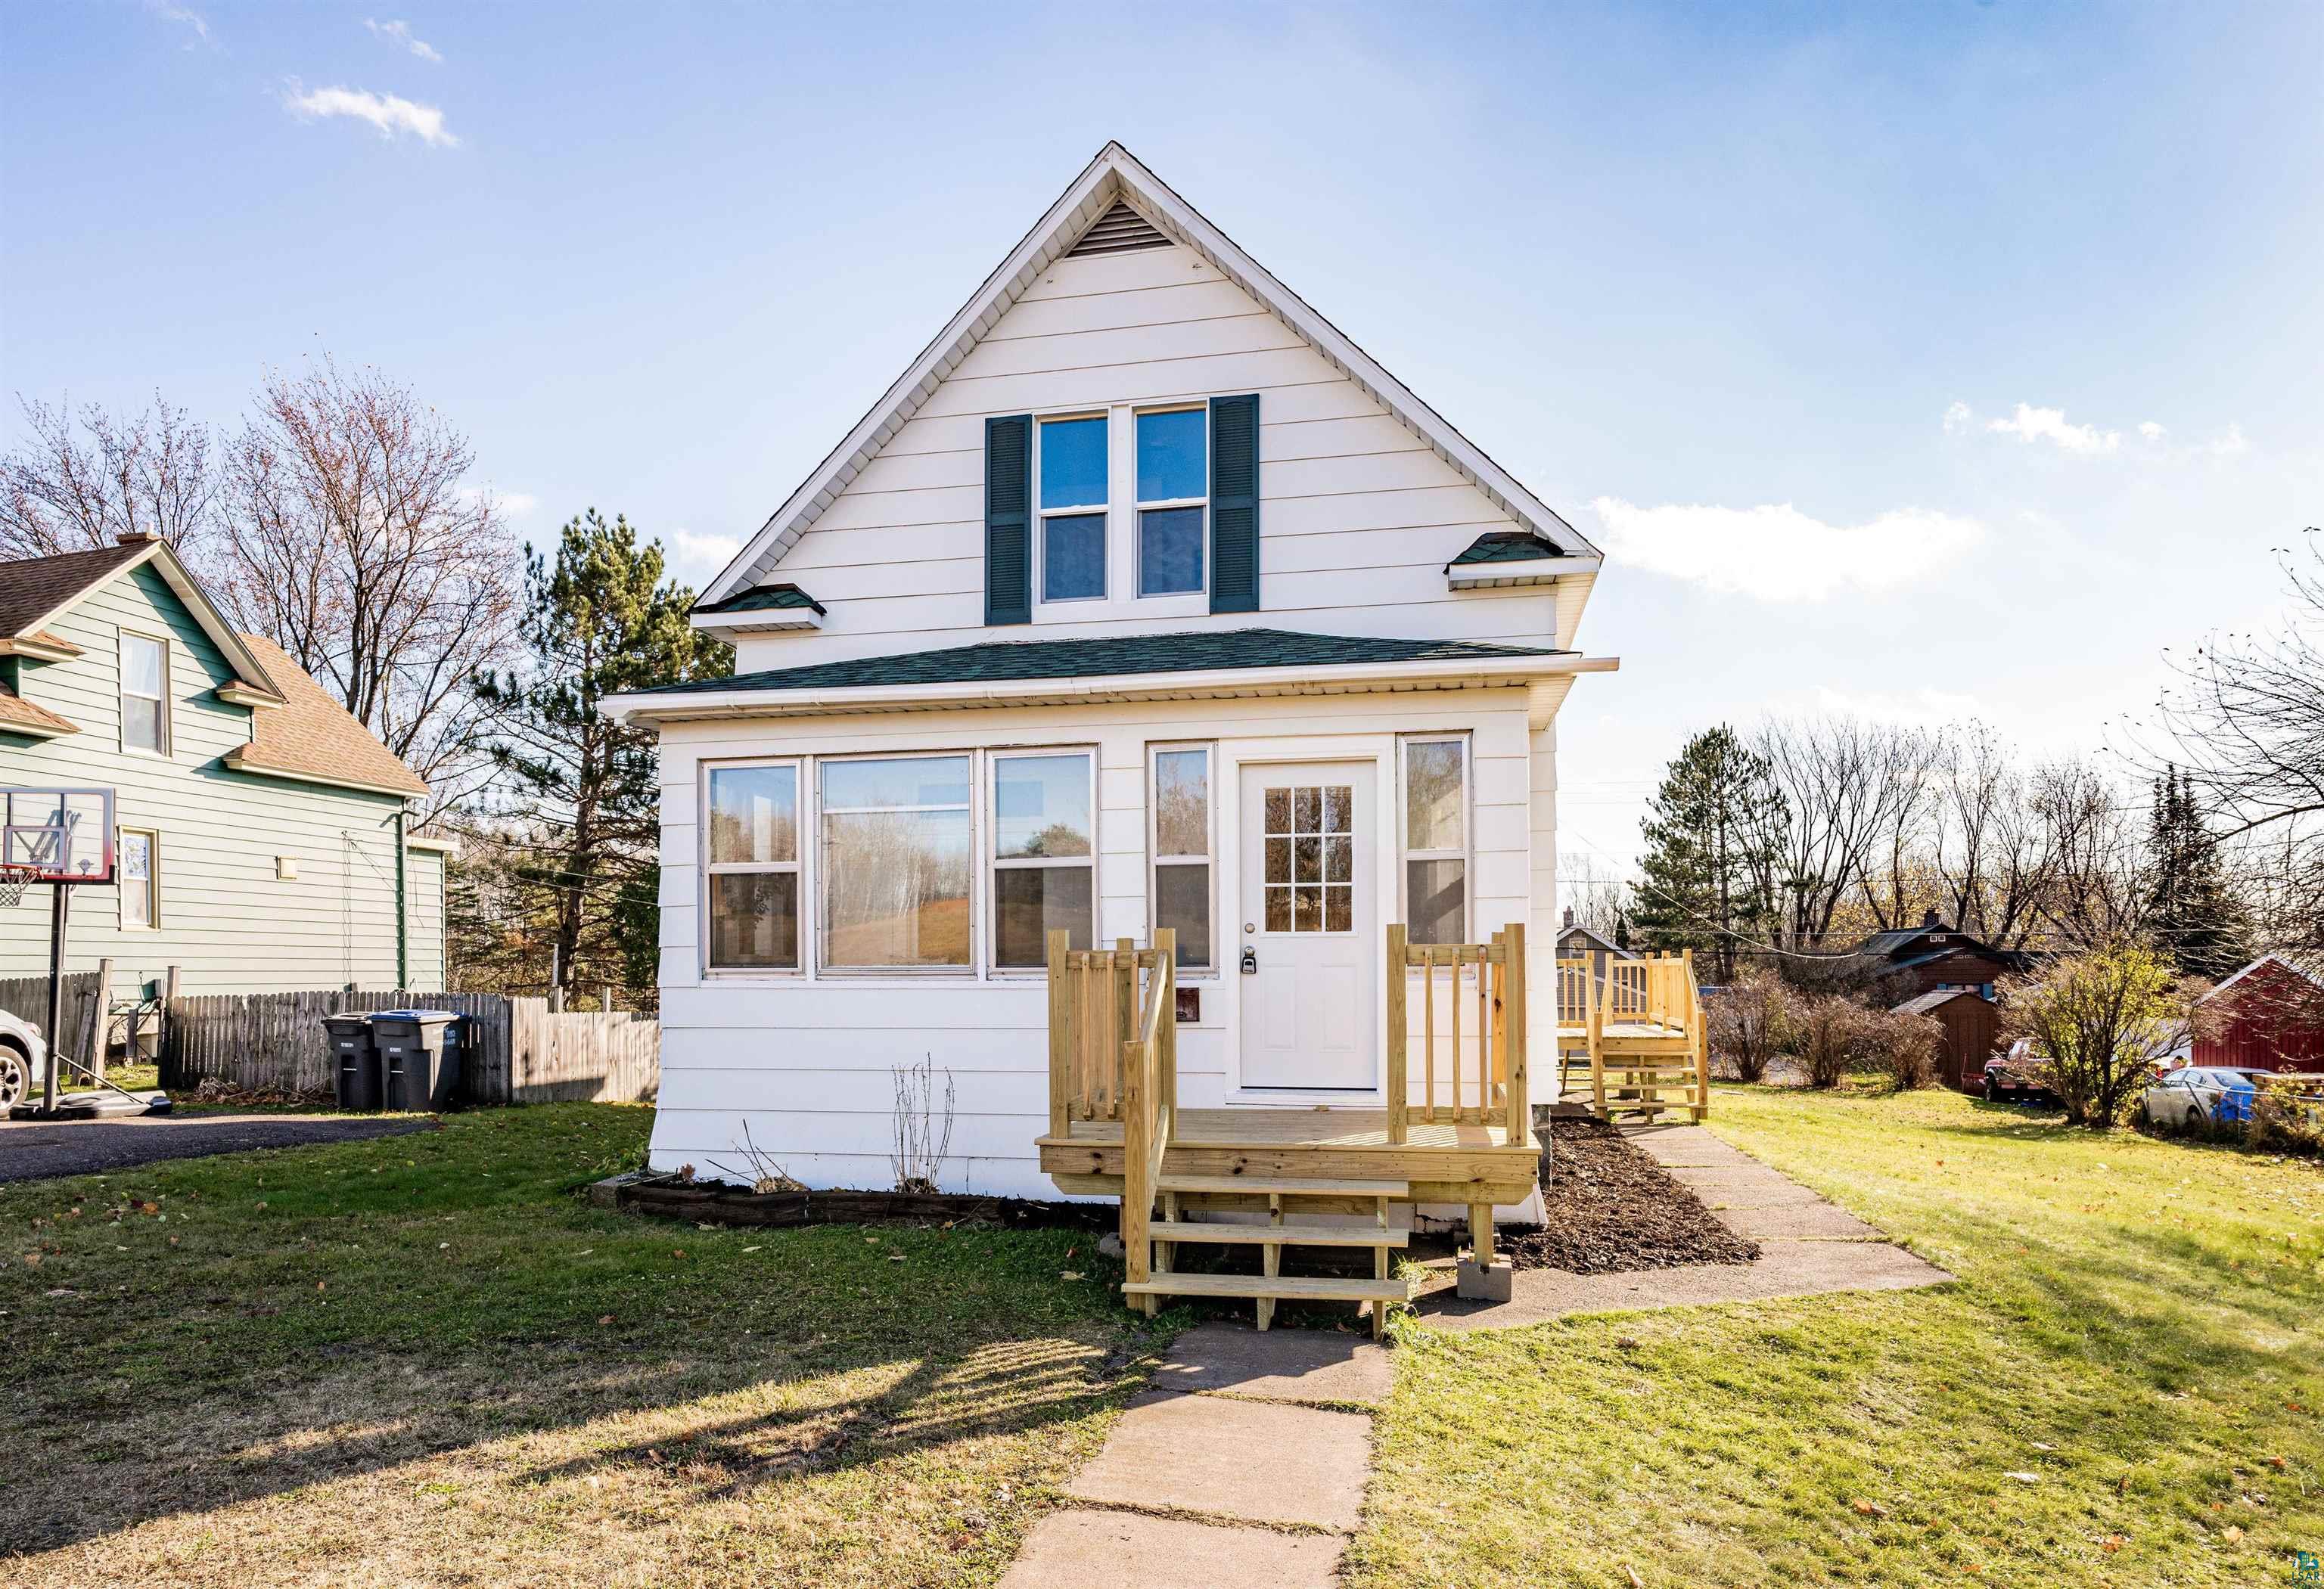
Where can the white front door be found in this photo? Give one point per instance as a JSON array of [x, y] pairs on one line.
[[1308, 943]]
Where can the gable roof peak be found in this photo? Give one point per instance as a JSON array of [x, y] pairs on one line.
[[1116, 175]]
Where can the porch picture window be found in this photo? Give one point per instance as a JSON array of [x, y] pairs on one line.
[[1182, 850], [139, 879], [753, 868], [145, 694], [1044, 854], [1074, 468], [896, 863], [1436, 839], [1174, 487]]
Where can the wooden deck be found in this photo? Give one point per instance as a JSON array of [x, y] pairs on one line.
[[1639, 1025], [1443, 1161]]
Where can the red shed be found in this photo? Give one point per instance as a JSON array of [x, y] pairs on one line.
[[1971, 1026], [2267, 1016]]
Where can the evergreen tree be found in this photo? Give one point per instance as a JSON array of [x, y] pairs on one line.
[[1711, 848], [598, 621], [2192, 914]]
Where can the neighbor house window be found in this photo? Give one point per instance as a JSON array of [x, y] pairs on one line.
[[897, 859], [139, 879], [1436, 839], [752, 868], [1174, 484], [145, 694], [1044, 854], [1074, 492], [1182, 850]]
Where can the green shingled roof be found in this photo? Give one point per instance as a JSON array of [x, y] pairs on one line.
[[763, 599], [1505, 546], [1007, 661]]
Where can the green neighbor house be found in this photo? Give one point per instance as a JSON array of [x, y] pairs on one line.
[[263, 837]]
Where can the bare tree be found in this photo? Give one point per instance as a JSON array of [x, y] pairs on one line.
[[1857, 793], [1598, 902], [1992, 854], [2094, 893], [351, 542], [84, 484]]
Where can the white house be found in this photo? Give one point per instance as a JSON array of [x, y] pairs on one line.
[[1144, 599]]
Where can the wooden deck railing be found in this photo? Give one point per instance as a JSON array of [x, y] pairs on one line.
[[1095, 1010], [1491, 978], [1655, 1003]]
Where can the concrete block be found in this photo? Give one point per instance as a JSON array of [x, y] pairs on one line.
[[1494, 1284]]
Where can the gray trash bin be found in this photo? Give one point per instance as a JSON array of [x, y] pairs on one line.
[[419, 1057], [355, 1062]]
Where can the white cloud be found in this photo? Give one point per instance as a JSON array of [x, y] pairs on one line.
[[512, 504], [2030, 424], [399, 33], [2151, 431], [390, 112], [1957, 419], [2227, 446], [1775, 553], [697, 558], [184, 16]]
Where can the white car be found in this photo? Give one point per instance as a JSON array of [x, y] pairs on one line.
[[23, 1052], [2201, 1095]]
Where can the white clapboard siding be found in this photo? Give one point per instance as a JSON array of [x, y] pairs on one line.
[[226, 918]]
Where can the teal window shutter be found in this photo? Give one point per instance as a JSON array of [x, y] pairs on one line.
[[1008, 520], [1234, 504]]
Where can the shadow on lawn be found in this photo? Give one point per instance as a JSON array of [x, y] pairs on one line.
[[364, 1420]]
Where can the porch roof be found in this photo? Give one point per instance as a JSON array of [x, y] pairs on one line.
[[1186, 664]]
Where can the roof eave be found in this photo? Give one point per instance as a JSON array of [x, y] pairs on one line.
[[770, 620], [1190, 684], [237, 762]]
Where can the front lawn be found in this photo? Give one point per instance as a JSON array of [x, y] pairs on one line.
[[426, 1360], [2123, 1389]]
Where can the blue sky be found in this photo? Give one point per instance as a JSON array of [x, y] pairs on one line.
[[1921, 360]]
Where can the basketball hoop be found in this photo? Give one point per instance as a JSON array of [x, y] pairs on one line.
[[13, 881]]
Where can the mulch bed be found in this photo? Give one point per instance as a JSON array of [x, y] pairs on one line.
[[1612, 1208], [733, 1205]]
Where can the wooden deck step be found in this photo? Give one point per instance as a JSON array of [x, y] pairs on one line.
[[1271, 1287], [1288, 1186], [1398, 1232]]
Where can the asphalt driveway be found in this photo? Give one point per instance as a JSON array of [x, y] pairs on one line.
[[37, 1150]]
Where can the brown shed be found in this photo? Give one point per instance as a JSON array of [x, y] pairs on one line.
[[1971, 1025]]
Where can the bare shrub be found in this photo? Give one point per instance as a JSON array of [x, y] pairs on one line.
[[1750, 1022], [765, 1175], [1828, 1039], [2099, 1021], [923, 1133], [1902, 1048]]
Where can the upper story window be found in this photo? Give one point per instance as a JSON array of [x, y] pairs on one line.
[[145, 694], [1436, 839], [1173, 486], [1075, 470]]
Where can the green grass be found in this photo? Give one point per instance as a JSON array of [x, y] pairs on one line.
[[2138, 1326], [425, 1359]]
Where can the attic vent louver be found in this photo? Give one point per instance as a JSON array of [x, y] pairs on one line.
[[1118, 231]]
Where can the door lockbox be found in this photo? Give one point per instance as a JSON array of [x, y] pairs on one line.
[[1249, 960]]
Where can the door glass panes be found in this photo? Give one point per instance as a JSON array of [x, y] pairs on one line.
[[1309, 858]]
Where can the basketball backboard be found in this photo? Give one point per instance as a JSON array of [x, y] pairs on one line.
[[57, 835]]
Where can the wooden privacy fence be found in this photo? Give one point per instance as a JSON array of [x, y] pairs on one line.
[[514, 1051], [1452, 1092], [27, 999]]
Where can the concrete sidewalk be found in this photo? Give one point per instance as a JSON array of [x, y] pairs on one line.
[[1243, 1468], [1808, 1247]]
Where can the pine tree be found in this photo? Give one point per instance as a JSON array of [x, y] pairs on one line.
[[1711, 851], [584, 789], [2192, 916]]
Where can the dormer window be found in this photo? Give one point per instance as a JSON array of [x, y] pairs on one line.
[[1073, 495], [1173, 486]]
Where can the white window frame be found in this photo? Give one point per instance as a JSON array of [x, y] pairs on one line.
[[1156, 861], [796, 865], [975, 969], [1041, 515], [988, 842], [1465, 853], [152, 836], [1138, 507], [124, 692]]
